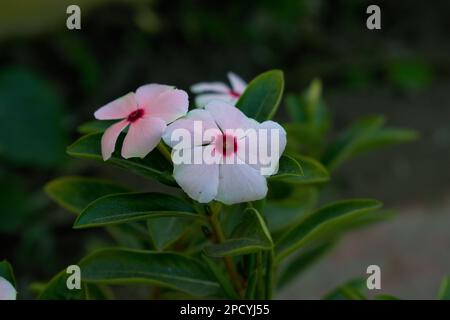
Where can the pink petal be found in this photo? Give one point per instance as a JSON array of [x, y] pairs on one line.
[[7, 291], [237, 83], [142, 137], [203, 99], [187, 123], [109, 138], [146, 94], [199, 181], [117, 109], [170, 105], [240, 183], [228, 117], [218, 87]]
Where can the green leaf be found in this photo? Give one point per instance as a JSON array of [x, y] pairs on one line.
[[386, 297], [120, 266], [444, 291], [348, 291], [75, 193], [95, 126], [7, 273], [284, 213], [126, 207], [154, 165], [31, 113], [262, 96], [289, 169], [166, 231], [219, 273], [303, 260], [250, 235], [385, 137], [326, 221], [310, 172]]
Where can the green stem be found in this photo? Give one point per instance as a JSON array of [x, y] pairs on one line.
[[220, 238], [164, 151], [269, 275]]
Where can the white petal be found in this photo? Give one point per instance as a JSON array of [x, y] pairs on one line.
[[199, 181], [146, 94], [169, 105], [240, 183], [7, 291], [109, 138], [227, 116], [237, 83], [142, 137], [219, 87], [192, 120], [117, 109], [203, 99]]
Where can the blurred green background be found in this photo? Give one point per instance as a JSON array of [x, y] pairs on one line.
[[53, 79]]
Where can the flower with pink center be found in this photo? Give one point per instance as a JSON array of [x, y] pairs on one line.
[[7, 291], [147, 113], [231, 177], [208, 91]]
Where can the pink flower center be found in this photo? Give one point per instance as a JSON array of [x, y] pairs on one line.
[[227, 144], [135, 115], [234, 94]]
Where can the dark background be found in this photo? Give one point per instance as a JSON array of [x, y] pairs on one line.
[[53, 79]]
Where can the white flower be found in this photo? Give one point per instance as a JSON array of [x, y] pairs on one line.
[[7, 291], [208, 91], [234, 178]]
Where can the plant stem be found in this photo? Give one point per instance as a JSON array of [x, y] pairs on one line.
[[220, 238], [269, 275], [164, 151]]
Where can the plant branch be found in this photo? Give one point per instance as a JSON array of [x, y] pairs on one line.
[[164, 151]]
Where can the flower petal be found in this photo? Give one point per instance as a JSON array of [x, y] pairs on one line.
[[237, 83], [117, 109], [169, 105], [142, 137], [199, 181], [187, 123], [218, 87], [203, 99], [109, 138], [146, 94], [7, 291], [240, 183], [227, 116]]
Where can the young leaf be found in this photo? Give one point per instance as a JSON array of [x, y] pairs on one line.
[[348, 291], [289, 169], [250, 235], [75, 193], [154, 165], [327, 221], [7, 273], [165, 231], [119, 266], [126, 207], [444, 291], [298, 169], [263, 95]]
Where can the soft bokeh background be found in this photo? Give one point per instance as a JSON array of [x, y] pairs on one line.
[[53, 79]]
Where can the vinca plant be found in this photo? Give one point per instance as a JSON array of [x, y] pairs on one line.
[[238, 222]]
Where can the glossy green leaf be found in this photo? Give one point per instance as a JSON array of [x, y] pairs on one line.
[[31, 113], [126, 207], [302, 261], [384, 137], [7, 273], [75, 193], [348, 291], [444, 291], [154, 165], [250, 235], [220, 275], [166, 231], [284, 213], [386, 297], [326, 221], [289, 169], [120, 266], [262, 96]]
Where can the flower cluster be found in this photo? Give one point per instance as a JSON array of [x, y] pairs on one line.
[[242, 151]]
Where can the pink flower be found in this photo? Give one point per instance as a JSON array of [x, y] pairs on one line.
[[225, 136], [208, 91], [7, 291], [147, 113]]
